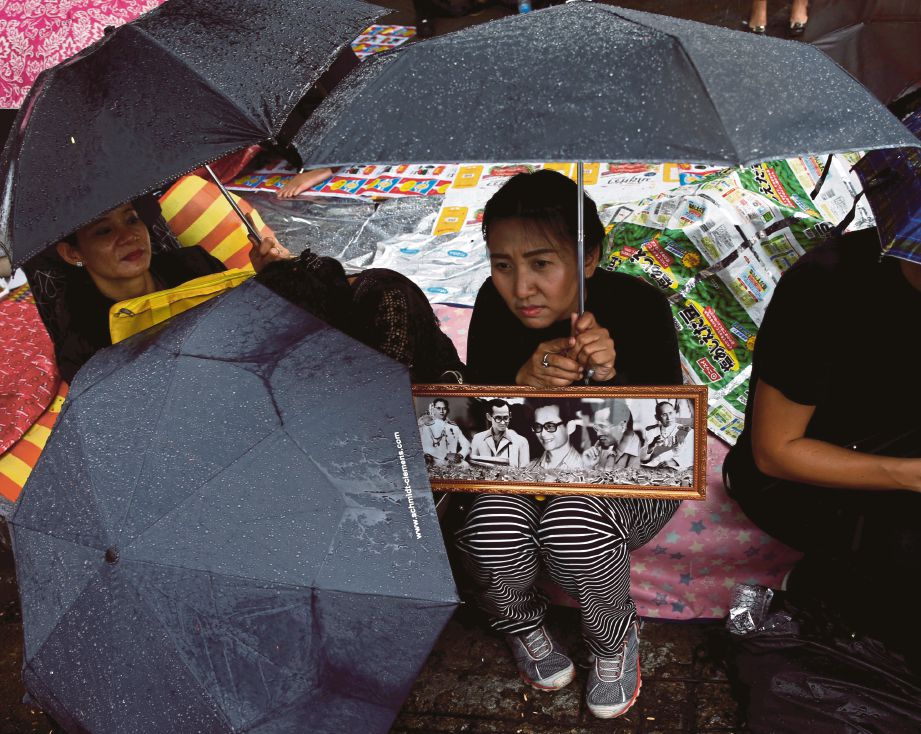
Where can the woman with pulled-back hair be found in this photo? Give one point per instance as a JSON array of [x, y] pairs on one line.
[[526, 330]]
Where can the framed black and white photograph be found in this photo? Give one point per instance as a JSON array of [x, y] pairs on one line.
[[621, 441]]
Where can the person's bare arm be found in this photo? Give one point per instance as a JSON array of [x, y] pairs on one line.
[[303, 181], [781, 450]]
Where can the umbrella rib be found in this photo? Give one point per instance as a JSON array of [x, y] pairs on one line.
[[151, 436], [678, 41], [204, 80], [279, 354], [283, 584], [73, 602]]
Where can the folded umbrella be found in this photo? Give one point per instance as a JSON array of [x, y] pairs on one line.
[[154, 99], [231, 530]]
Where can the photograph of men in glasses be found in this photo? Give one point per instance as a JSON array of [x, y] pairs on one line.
[[553, 425], [499, 444]]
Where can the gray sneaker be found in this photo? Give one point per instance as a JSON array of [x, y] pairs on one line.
[[614, 682], [540, 662]]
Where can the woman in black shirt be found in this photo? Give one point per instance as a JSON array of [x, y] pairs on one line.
[[525, 331]]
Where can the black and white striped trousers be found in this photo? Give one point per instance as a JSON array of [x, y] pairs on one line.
[[585, 543]]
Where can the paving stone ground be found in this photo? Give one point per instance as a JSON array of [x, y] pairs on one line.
[[470, 684]]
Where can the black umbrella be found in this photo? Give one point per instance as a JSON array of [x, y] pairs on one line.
[[231, 529], [875, 40], [586, 81], [154, 99]]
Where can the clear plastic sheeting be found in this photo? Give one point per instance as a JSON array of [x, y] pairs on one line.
[[392, 221], [326, 225], [448, 268]]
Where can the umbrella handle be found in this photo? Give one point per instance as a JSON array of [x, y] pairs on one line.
[[253, 235]]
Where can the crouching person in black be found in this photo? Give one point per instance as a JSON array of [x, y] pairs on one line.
[[828, 461]]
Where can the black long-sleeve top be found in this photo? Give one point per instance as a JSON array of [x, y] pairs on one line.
[[637, 316]]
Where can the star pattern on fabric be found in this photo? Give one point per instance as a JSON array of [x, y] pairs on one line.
[[697, 547], [686, 579], [698, 527], [677, 606]]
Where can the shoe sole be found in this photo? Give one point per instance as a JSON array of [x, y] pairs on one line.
[[612, 712], [570, 674]]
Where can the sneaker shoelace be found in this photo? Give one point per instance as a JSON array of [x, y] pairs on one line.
[[537, 644], [610, 670]]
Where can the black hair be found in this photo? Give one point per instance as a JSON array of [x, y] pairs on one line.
[[496, 403], [442, 400], [547, 199], [564, 405]]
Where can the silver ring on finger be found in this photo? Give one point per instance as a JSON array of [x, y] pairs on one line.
[[546, 360], [589, 373]]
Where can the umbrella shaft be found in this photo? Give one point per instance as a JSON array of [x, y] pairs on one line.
[[251, 230], [580, 235]]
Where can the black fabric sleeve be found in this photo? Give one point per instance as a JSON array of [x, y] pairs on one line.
[[480, 337], [663, 363], [639, 319], [791, 352], [201, 262]]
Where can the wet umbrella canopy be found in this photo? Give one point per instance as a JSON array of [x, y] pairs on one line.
[[586, 81], [183, 85], [222, 534]]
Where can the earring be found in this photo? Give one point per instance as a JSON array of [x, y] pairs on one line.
[[79, 263]]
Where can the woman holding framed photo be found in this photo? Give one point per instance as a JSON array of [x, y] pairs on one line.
[[526, 330]]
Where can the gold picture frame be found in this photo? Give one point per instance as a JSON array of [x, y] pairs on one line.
[[628, 441]]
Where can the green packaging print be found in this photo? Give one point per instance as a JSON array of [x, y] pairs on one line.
[[737, 397], [666, 259], [716, 336], [776, 181], [725, 422]]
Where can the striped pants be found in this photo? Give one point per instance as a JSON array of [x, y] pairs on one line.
[[585, 543]]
